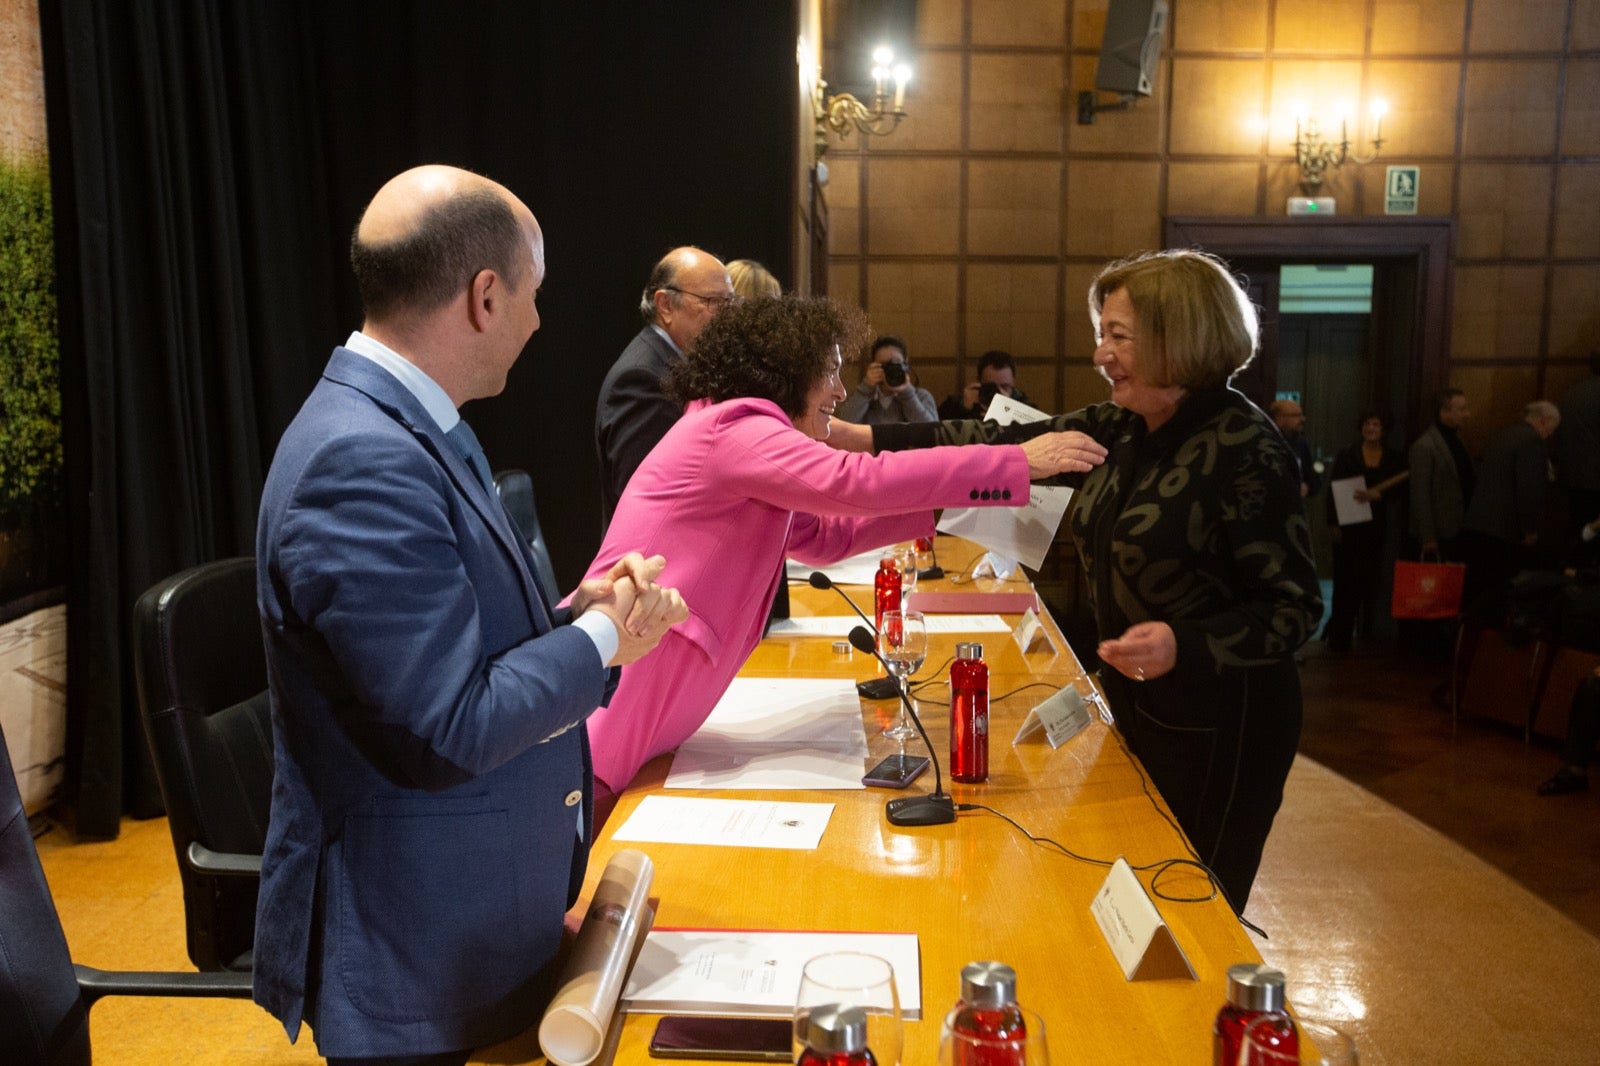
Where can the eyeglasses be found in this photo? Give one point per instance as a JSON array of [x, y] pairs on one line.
[[716, 302]]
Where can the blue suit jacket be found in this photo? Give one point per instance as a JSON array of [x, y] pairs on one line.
[[425, 836]]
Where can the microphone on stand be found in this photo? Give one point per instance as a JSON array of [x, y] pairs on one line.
[[934, 572], [878, 688], [936, 808]]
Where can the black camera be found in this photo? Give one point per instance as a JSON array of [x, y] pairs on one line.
[[986, 394], [894, 373]]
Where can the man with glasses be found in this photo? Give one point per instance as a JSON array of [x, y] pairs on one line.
[[685, 291], [886, 392]]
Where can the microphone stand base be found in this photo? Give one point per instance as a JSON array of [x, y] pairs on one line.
[[879, 688], [932, 573], [921, 810]]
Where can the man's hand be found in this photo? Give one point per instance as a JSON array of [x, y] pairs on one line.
[[971, 394], [1060, 453], [628, 595]]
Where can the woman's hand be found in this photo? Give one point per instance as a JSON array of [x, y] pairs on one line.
[[1145, 651], [1059, 453], [1368, 495]]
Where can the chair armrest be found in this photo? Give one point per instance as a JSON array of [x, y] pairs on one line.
[[94, 984], [223, 863]]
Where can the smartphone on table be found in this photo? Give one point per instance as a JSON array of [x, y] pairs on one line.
[[731, 1039], [896, 771]]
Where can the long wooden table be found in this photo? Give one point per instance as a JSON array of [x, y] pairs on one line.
[[977, 889]]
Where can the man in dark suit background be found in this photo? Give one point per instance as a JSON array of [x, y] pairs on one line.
[[1501, 525], [430, 806], [1441, 478], [686, 289]]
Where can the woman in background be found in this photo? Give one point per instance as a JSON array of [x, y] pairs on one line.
[[750, 279], [1358, 548], [1196, 547]]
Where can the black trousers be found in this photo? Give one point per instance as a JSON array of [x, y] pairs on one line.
[[1583, 731], [1357, 560], [1218, 747]]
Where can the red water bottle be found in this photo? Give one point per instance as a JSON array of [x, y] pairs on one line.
[[1255, 994], [969, 715], [836, 1035], [988, 1010], [886, 588]]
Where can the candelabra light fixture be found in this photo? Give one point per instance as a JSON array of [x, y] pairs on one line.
[[842, 112], [1316, 156]]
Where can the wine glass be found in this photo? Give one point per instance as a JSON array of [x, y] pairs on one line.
[[906, 559], [1027, 1048], [853, 979], [1317, 1044], [903, 642]]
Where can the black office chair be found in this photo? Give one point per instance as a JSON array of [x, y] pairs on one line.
[[202, 679], [516, 492], [44, 998]]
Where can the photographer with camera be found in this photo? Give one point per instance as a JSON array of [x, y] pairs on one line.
[[886, 392], [997, 374]]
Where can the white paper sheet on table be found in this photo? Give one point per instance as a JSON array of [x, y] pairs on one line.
[[777, 733], [726, 823], [754, 972], [840, 625], [856, 570], [1022, 533]]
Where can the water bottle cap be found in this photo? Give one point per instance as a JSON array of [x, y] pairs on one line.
[[1254, 986], [969, 650], [834, 1027], [988, 984]]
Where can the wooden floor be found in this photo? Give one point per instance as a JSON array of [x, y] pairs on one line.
[[1416, 892]]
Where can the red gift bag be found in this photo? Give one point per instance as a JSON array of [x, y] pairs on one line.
[[1427, 590]]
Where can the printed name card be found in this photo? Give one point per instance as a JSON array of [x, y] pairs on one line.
[[1030, 632], [1062, 717], [1133, 928]]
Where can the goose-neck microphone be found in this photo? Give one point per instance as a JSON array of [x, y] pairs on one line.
[[936, 808], [877, 688]]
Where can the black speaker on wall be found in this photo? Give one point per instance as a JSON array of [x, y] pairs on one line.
[[1130, 54]]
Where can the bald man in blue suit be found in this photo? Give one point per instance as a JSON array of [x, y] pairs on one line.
[[430, 811]]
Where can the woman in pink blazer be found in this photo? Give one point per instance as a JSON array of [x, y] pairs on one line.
[[744, 479]]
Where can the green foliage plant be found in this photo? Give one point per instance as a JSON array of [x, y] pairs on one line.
[[30, 381]]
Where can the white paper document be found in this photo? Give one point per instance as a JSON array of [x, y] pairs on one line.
[[1346, 508], [1022, 533], [753, 973], [856, 570], [726, 823], [777, 733], [840, 625]]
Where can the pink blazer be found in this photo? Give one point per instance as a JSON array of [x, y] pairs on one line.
[[730, 490]]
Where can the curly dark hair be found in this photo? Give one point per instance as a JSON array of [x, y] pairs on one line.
[[772, 348]]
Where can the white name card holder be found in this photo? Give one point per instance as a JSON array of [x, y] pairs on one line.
[[1143, 945], [1030, 632], [1062, 717]]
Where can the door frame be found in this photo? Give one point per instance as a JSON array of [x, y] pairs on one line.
[[1415, 253]]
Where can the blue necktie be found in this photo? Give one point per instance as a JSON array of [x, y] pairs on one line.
[[466, 442]]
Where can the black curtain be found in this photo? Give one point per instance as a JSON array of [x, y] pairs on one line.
[[209, 159]]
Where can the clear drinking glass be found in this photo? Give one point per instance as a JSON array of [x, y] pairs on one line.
[[968, 1049], [903, 642], [906, 559], [853, 979]]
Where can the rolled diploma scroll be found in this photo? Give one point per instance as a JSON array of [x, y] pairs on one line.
[[574, 1026]]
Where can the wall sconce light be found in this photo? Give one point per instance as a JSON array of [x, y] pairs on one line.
[[842, 112], [1316, 156]]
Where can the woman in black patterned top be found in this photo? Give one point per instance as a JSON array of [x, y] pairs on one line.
[[1197, 550]]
